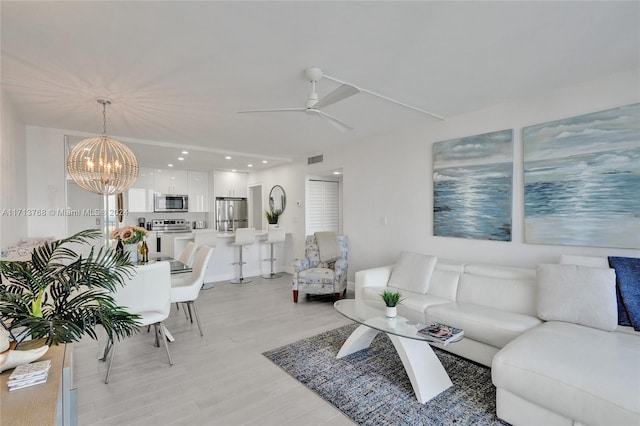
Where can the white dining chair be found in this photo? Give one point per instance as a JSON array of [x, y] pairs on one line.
[[148, 294], [211, 239], [187, 254], [185, 288]]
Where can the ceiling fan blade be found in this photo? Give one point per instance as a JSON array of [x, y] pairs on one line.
[[272, 110], [341, 124], [342, 92]]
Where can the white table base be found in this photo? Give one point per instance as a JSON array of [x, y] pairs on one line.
[[427, 375]]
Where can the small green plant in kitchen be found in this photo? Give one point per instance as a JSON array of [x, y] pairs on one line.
[[272, 216]]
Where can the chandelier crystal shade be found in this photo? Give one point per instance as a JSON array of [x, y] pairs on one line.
[[103, 165]]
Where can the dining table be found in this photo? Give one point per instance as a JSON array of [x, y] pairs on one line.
[[176, 267]]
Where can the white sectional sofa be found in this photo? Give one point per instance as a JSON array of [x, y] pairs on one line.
[[546, 372]]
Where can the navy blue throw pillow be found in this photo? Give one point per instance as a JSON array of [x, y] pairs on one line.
[[627, 289]]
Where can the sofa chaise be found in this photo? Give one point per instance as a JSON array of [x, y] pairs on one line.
[[550, 333]]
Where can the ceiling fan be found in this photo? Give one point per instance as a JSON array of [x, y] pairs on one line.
[[344, 91], [314, 103]]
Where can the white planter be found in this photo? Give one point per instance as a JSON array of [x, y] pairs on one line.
[[132, 249], [391, 312]]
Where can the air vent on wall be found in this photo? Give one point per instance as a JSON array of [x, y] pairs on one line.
[[316, 159]]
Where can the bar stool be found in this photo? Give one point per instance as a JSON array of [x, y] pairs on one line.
[[276, 235], [244, 236]]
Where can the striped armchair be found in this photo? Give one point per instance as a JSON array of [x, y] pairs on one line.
[[314, 277]]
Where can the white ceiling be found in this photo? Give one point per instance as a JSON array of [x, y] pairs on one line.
[[178, 72]]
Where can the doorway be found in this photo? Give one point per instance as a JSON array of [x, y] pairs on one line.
[[255, 206]]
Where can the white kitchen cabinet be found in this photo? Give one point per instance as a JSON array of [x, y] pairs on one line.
[[140, 195], [169, 181], [198, 191], [230, 184]]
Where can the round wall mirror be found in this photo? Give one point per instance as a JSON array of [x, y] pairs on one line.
[[277, 199]]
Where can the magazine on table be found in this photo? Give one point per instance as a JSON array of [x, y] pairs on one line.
[[29, 375], [442, 333]]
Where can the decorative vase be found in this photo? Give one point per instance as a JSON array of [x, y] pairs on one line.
[[392, 311], [132, 249]]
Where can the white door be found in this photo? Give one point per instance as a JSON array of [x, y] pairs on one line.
[[255, 207]]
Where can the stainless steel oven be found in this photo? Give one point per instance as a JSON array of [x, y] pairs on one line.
[[164, 226]]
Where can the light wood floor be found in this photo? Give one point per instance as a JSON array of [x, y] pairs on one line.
[[219, 379]]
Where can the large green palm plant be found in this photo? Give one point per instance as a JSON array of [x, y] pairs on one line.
[[60, 295]]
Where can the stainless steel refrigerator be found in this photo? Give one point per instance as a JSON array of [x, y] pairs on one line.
[[231, 213]]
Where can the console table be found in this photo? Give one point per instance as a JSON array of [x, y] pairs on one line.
[[51, 403]]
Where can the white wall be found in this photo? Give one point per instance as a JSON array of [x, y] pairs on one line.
[[395, 181], [13, 174], [292, 180], [46, 181]]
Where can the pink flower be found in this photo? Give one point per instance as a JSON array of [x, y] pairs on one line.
[[126, 233], [115, 235]]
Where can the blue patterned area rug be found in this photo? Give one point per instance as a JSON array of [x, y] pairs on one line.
[[372, 388]]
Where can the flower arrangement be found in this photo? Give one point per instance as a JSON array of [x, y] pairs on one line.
[[129, 234]]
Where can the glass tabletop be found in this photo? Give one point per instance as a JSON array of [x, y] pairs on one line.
[[372, 315], [175, 265]]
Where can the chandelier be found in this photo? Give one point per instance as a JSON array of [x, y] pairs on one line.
[[103, 165]]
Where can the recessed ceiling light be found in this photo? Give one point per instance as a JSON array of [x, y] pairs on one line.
[[233, 170], [227, 158], [249, 165], [181, 158], [170, 165], [185, 152], [337, 173], [264, 161]]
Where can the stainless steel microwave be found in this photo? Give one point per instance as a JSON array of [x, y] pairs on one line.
[[171, 203]]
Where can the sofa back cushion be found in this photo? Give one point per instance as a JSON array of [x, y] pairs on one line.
[[578, 294], [508, 289], [593, 262], [412, 272], [444, 283]]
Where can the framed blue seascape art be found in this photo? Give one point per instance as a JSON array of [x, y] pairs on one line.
[[472, 186], [582, 180]]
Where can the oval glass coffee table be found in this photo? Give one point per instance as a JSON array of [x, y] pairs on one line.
[[427, 375]]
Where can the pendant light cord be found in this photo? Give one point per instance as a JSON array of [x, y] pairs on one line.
[[104, 119]]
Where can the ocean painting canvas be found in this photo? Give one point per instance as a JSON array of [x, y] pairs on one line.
[[472, 186], [582, 180]]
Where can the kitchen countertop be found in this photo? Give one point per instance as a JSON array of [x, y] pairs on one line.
[[189, 234]]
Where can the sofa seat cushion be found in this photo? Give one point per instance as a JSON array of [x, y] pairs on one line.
[[585, 374], [318, 276], [412, 301], [481, 323]]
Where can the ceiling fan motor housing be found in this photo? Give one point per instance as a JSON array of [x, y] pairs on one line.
[[313, 74]]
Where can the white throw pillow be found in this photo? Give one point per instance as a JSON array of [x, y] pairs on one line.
[[412, 272], [578, 294]]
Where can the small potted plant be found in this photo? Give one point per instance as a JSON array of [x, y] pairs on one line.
[[272, 216], [391, 300]]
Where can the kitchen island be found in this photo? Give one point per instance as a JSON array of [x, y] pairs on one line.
[[221, 267]]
